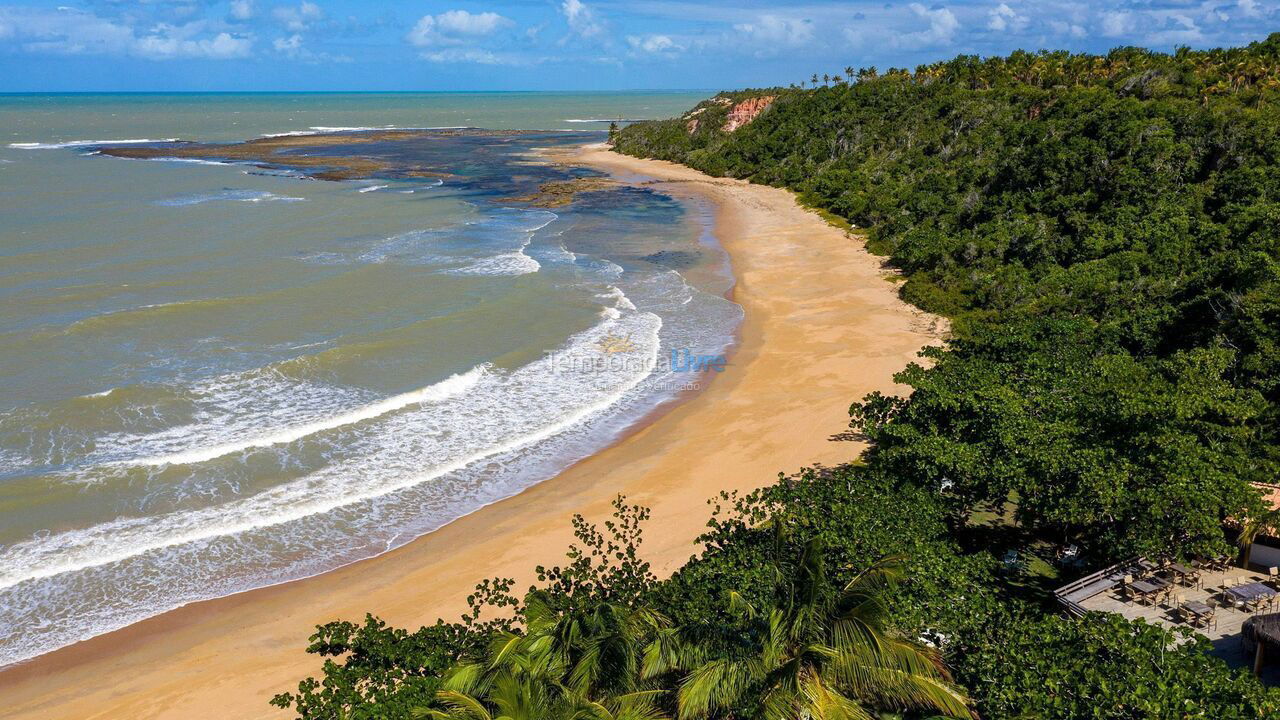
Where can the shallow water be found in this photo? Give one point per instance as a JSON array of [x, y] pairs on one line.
[[218, 377]]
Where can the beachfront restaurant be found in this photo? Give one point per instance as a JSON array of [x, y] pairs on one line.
[[1233, 600]]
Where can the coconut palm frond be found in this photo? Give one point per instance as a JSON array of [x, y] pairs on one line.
[[828, 658], [461, 706], [913, 686], [717, 684], [824, 702], [740, 607], [668, 651]]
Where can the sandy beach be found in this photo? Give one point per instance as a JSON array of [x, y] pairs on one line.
[[823, 326]]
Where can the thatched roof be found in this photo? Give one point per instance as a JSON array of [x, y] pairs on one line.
[[1264, 629]]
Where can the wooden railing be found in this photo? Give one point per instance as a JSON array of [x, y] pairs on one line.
[[1070, 595]]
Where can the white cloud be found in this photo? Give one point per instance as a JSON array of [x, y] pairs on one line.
[[1116, 24], [941, 31], [1003, 18], [461, 22], [68, 31], [1178, 29], [299, 18], [294, 48], [455, 27], [770, 32], [582, 20], [654, 44], [1062, 27], [1249, 8], [471, 56], [242, 9], [424, 32], [293, 43], [221, 46]]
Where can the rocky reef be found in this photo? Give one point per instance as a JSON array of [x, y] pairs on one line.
[[328, 156], [562, 192]]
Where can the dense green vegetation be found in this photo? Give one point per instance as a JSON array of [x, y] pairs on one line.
[[1104, 233]]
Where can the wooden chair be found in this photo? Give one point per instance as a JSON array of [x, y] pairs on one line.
[[1228, 600], [1126, 588], [1211, 621]]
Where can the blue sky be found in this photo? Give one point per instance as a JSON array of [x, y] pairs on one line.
[[559, 44]]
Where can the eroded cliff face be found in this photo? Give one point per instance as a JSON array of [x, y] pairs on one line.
[[746, 111], [739, 114]]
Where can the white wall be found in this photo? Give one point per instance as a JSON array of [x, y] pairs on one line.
[[1264, 555]]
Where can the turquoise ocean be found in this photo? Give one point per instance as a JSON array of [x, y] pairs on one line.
[[215, 377]]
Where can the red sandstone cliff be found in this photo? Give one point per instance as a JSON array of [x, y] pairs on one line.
[[739, 115], [746, 111]]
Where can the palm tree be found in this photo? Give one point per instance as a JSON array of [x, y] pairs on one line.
[[1265, 522], [814, 80], [634, 706], [848, 72], [820, 656], [575, 665]]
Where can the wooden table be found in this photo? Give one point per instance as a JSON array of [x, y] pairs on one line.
[[1149, 587], [1251, 592], [1202, 611], [1182, 571], [1199, 608]]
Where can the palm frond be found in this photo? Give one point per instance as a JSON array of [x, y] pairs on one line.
[[462, 706], [717, 684]]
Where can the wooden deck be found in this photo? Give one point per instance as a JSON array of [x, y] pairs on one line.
[[1225, 636]]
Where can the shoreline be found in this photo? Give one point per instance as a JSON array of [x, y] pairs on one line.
[[811, 342]]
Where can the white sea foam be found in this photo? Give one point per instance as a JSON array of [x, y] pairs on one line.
[[618, 297], [322, 129], [318, 129], [443, 390], [193, 161], [434, 184], [251, 196], [372, 188], [515, 262], [82, 143], [512, 263], [502, 412], [602, 120]]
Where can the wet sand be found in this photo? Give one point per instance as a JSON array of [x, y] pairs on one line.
[[823, 326]]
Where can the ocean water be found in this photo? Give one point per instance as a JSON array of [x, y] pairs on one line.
[[218, 377]]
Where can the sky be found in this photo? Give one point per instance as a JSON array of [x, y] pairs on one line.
[[307, 45]]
